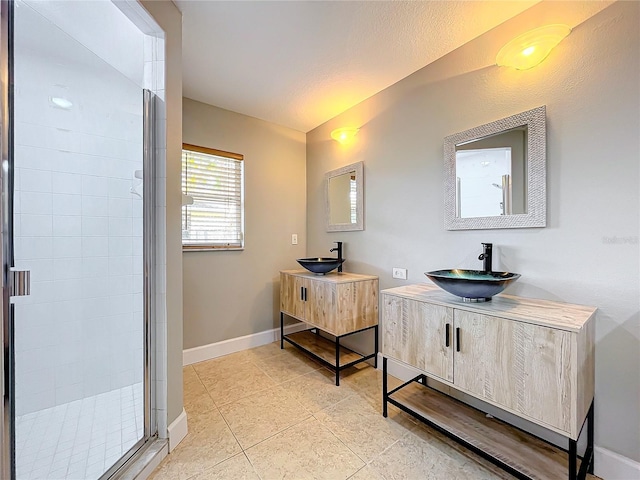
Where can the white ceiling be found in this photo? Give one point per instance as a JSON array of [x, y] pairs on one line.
[[301, 63]]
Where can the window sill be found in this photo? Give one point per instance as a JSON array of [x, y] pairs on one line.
[[210, 249]]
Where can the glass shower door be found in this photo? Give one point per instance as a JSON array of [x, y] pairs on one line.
[[79, 337]]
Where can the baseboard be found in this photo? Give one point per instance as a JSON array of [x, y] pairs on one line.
[[233, 345], [612, 466], [178, 430], [608, 465]]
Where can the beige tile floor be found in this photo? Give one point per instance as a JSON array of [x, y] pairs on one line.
[[268, 413]]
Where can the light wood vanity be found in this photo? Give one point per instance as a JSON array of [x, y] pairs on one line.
[[339, 304], [531, 358]]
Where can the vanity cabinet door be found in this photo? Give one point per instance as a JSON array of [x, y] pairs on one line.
[[320, 304], [526, 368], [356, 307], [344, 307], [291, 295], [415, 333]]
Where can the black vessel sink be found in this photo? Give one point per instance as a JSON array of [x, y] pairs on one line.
[[320, 265], [472, 285]]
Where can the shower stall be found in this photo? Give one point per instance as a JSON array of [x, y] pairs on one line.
[[81, 83]]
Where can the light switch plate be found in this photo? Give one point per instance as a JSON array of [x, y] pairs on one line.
[[294, 239]]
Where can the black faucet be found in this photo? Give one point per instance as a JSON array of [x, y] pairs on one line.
[[339, 250], [486, 257]]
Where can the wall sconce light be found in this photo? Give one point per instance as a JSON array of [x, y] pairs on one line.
[[532, 47], [344, 135]]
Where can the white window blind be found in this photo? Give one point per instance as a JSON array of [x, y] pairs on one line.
[[212, 183]]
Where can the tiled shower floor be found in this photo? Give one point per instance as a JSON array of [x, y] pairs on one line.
[[81, 439]]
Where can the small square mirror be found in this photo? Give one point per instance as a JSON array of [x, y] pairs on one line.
[[495, 174]]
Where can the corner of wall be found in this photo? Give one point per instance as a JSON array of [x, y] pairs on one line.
[[167, 15]]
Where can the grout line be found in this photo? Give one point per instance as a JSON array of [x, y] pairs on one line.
[[198, 377], [388, 448], [277, 433], [262, 390], [254, 362], [309, 415], [290, 396], [223, 418], [322, 425], [68, 433], [230, 430], [252, 465], [359, 470], [214, 466]]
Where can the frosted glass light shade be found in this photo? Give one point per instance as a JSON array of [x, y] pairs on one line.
[[344, 135], [532, 47]]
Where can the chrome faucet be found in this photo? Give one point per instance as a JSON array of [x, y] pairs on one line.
[[486, 257], [339, 250]]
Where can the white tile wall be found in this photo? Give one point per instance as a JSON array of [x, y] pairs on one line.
[[78, 226]]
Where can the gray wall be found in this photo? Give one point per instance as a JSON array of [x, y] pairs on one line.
[[228, 294], [587, 254], [170, 20]]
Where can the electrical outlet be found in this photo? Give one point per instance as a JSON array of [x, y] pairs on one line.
[[400, 273], [294, 239]]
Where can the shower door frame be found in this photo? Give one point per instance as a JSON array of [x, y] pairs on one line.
[[7, 359], [6, 255]]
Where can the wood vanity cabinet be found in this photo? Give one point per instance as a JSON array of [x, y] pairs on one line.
[[339, 304], [532, 358]]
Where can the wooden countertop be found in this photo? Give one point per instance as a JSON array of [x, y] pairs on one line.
[[563, 316], [332, 277]]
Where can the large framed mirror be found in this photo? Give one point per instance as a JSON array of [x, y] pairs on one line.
[[495, 174], [344, 198]]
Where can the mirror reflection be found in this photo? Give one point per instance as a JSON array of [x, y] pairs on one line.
[[491, 175], [344, 210], [342, 198]]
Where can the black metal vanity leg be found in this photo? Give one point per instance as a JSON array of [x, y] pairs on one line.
[[281, 331], [337, 361], [375, 359], [384, 387], [590, 436], [573, 455]]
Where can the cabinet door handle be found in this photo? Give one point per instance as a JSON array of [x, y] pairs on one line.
[[457, 339], [305, 294], [302, 293], [447, 335]]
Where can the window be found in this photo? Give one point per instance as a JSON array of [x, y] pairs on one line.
[[213, 199], [353, 199]]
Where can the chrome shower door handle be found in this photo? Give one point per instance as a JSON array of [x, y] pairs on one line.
[[20, 283]]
